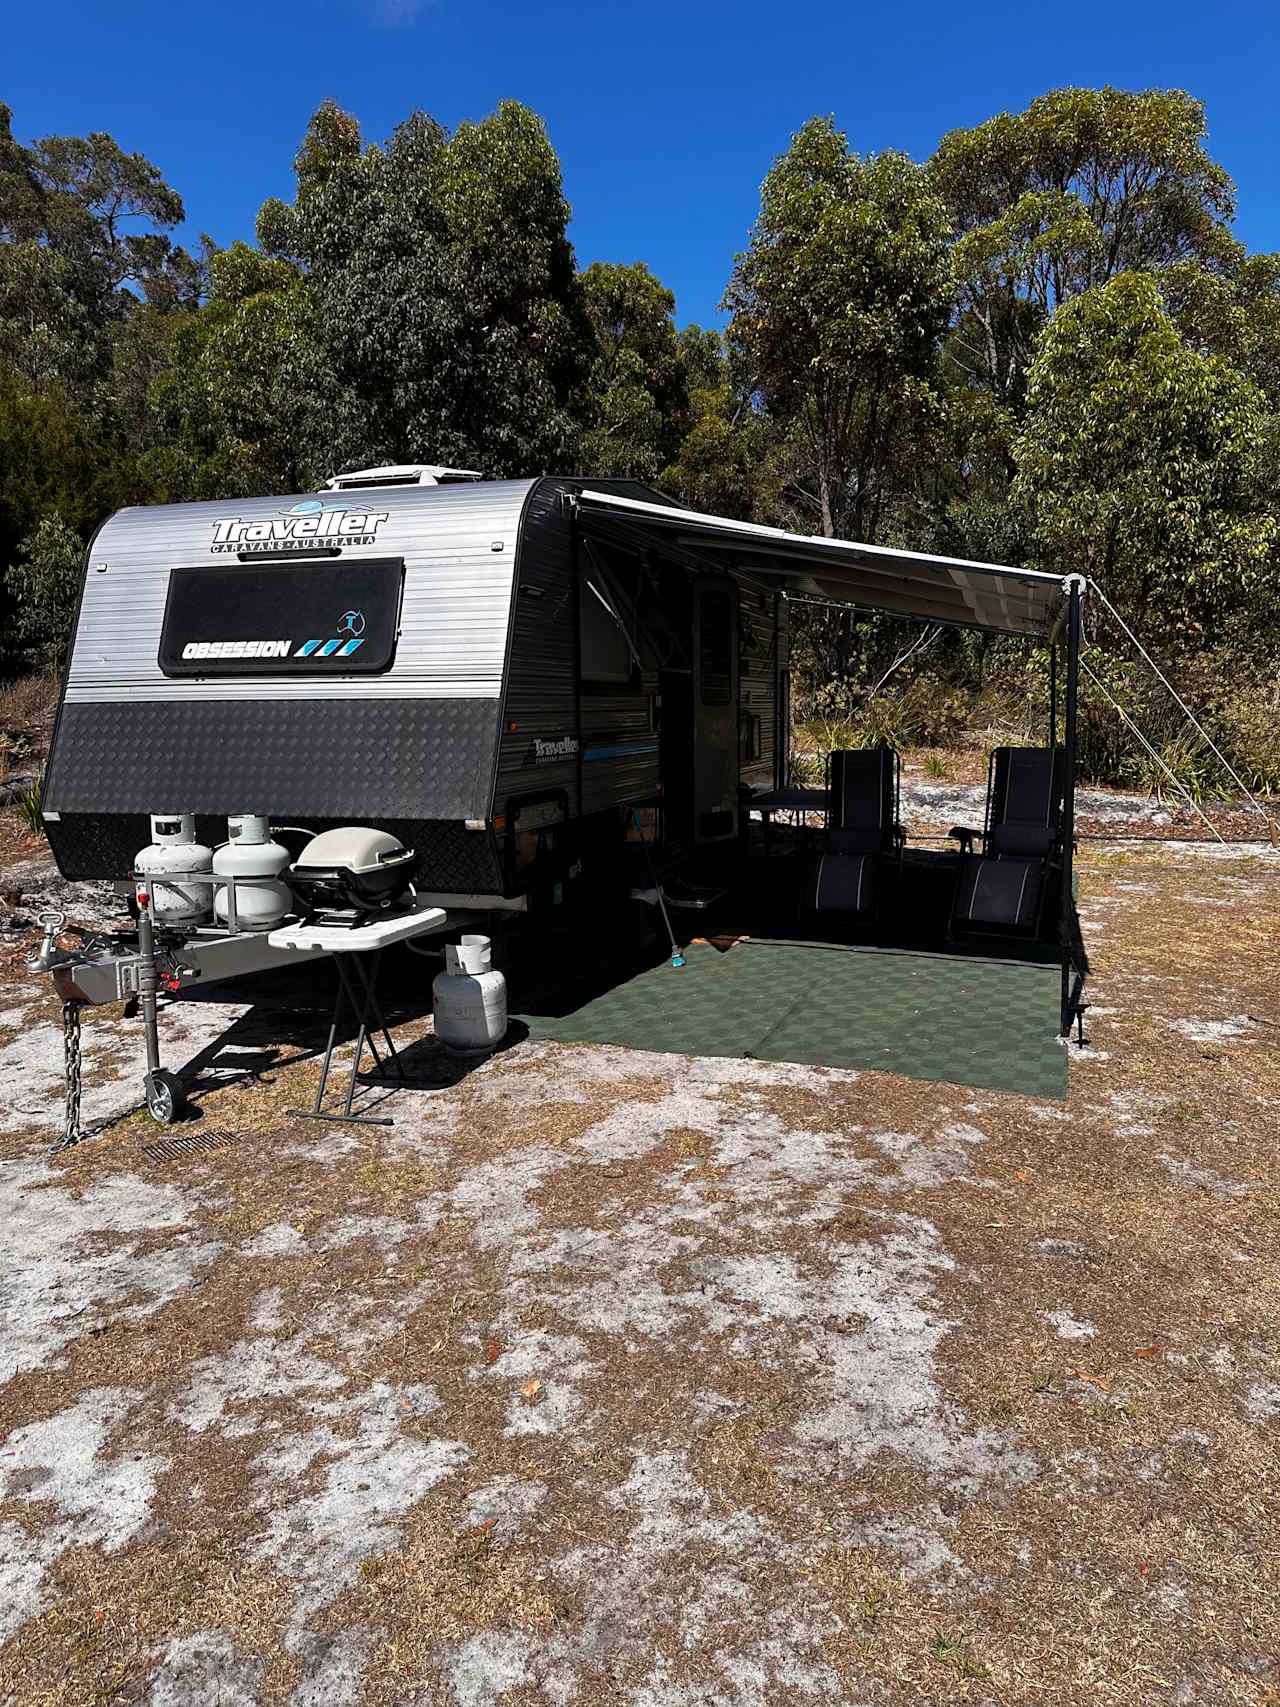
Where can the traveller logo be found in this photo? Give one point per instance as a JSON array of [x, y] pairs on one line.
[[547, 752], [312, 525]]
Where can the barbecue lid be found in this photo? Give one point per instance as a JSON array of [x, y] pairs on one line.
[[353, 848]]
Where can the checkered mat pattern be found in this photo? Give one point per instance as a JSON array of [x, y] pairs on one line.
[[991, 1023]]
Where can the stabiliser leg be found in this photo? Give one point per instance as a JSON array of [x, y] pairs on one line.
[[161, 1089]]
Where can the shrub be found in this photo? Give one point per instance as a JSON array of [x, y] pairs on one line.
[[27, 806]]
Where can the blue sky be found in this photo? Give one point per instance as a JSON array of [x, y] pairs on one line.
[[666, 117]]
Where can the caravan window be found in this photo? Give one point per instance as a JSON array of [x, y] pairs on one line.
[[282, 619], [607, 618]]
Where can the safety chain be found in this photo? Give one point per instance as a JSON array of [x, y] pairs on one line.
[[71, 1061], [73, 1133]]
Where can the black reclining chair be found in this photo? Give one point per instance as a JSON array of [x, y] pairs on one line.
[[862, 830], [1003, 889]]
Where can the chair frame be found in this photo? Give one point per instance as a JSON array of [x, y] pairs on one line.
[[893, 837], [1050, 861]]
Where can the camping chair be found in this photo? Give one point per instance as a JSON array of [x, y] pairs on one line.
[[862, 829], [1002, 890]]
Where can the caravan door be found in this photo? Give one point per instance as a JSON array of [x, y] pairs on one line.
[[715, 709]]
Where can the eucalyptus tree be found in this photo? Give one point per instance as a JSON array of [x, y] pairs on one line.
[[1142, 462], [1083, 185], [444, 287], [837, 307], [638, 385]]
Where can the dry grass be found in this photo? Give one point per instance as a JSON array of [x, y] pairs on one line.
[[27, 711], [438, 1586], [113, 1613], [1137, 1557]]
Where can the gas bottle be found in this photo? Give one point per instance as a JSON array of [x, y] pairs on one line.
[[250, 852], [175, 852], [470, 998]]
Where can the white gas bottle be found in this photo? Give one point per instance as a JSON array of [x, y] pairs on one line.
[[470, 998], [174, 853], [250, 852]]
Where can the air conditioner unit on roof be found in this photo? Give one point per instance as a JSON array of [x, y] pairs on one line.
[[401, 474]]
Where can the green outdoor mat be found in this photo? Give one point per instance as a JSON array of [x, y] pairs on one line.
[[992, 1023]]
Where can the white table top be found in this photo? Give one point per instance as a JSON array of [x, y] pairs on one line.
[[419, 920]]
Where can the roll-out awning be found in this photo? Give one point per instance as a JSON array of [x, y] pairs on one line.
[[873, 577]]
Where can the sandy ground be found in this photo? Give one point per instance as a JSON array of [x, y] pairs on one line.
[[604, 1377]]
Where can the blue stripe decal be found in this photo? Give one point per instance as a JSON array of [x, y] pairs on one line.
[[306, 649], [618, 752], [349, 648], [329, 647]]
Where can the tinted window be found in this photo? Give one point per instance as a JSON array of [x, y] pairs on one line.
[[286, 619], [606, 654]]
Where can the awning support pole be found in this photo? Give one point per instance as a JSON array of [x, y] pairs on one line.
[[1053, 697], [1070, 995]]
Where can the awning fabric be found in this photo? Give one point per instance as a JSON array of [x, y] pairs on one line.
[[873, 577]]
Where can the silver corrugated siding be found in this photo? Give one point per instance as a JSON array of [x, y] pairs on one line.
[[453, 625]]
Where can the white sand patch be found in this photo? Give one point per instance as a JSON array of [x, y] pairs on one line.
[[774, 1656], [205, 1667], [559, 1364], [497, 1194], [506, 1502], [1136, 1112], [319, 1528], [484, 1667], [922, 1163], [1263, 1402], [333, 1668], [267, 1313], [1191, 1440], [1214, 1030], [100, 1500], [228, 1390], [346, 1230], [277, 1240], [1067, 1327], [1200, 1178], [1264, 852], [68, 1262], [1070, 1248], [916, 1541]]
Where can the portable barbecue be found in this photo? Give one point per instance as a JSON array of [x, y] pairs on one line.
[[352, 869]]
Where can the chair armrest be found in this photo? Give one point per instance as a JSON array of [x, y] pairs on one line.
[[964, 836]]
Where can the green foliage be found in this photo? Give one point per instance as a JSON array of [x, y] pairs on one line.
[[638, 384], [1140, 461], [838, 306], [43, 584], [1083, 185], [445, 301], [27, 806], [247, 401]]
